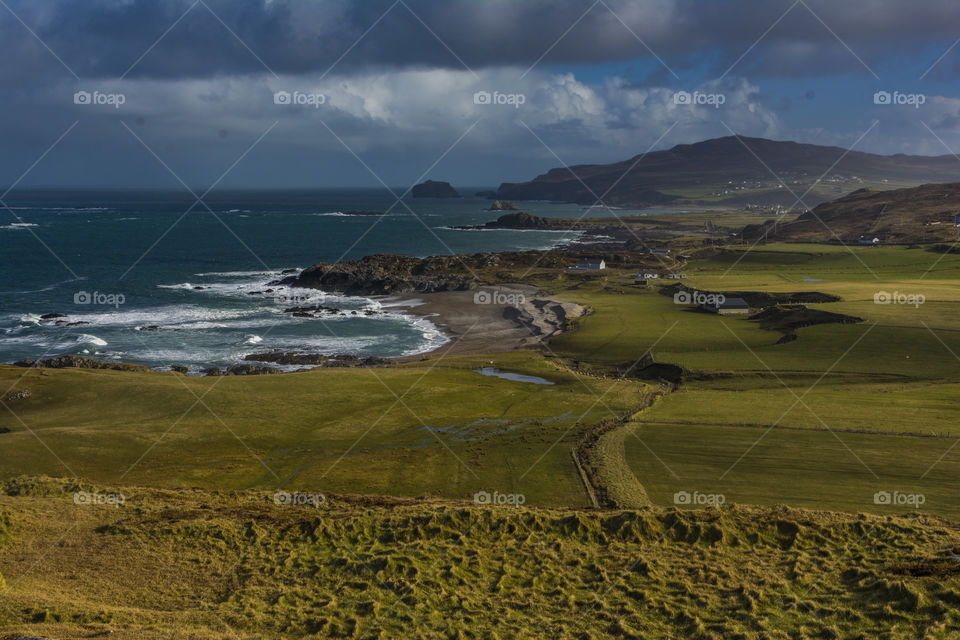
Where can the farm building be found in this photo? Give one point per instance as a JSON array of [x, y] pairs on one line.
[[729, 307], [869, 241]]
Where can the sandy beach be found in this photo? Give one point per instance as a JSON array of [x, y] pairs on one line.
[[490, 319]]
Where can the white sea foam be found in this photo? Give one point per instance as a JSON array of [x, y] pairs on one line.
[[237, 274], [86, 338], [15, 226]]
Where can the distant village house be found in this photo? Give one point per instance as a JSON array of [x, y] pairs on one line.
[[591, 265]]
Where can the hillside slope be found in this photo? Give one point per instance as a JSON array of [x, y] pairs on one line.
[[662, 177], [918, 214]]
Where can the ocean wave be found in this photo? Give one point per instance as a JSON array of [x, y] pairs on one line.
[[59, 208], [236, 274], [13, 226], [449, 228], [86, 338], [168, 316]]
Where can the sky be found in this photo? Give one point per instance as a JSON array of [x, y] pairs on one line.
[[334, 93]]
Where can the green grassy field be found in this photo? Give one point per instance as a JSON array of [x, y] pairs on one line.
[[878, 404], [177, 563], [433, 428]]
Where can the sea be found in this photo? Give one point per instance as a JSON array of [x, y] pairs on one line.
[[159, 278]]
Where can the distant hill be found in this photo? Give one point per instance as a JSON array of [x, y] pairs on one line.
[[723, 171], [918, 214]]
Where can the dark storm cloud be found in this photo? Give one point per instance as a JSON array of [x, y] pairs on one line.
[[104, 38]]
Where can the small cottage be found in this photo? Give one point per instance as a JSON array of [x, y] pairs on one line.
[[591, 265]]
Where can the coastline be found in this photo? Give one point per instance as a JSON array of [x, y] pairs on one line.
[[489, 319]]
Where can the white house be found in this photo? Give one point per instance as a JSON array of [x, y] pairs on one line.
[[676, 276], [660, 252], [591, 265], [647, 276]]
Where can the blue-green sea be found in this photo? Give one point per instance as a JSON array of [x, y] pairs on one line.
[[154, 277]]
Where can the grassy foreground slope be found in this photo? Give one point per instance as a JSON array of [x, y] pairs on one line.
[[178, 563], [434, 428]]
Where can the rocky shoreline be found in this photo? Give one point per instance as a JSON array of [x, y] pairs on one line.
[[452, 292]]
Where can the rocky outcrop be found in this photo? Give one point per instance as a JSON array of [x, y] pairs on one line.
[[389, 274], [77, 362], [316, 359], [503, 205], [249, 370], [544, 317], [21, 394], [434, 189], [521, 220]]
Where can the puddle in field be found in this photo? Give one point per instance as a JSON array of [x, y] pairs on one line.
[[516, 377], [813, 280]]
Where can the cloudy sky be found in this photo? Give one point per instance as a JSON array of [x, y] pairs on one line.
[[151, 92]]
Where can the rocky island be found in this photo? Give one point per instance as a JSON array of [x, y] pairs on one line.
[[434, 189]]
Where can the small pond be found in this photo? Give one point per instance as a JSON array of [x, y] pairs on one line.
[[516, 377]]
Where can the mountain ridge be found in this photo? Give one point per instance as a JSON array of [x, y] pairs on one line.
[[731, 170]]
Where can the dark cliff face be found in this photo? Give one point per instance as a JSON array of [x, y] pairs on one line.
[[434, 189]]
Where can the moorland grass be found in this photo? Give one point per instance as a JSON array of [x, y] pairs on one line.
[[238, 565]]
